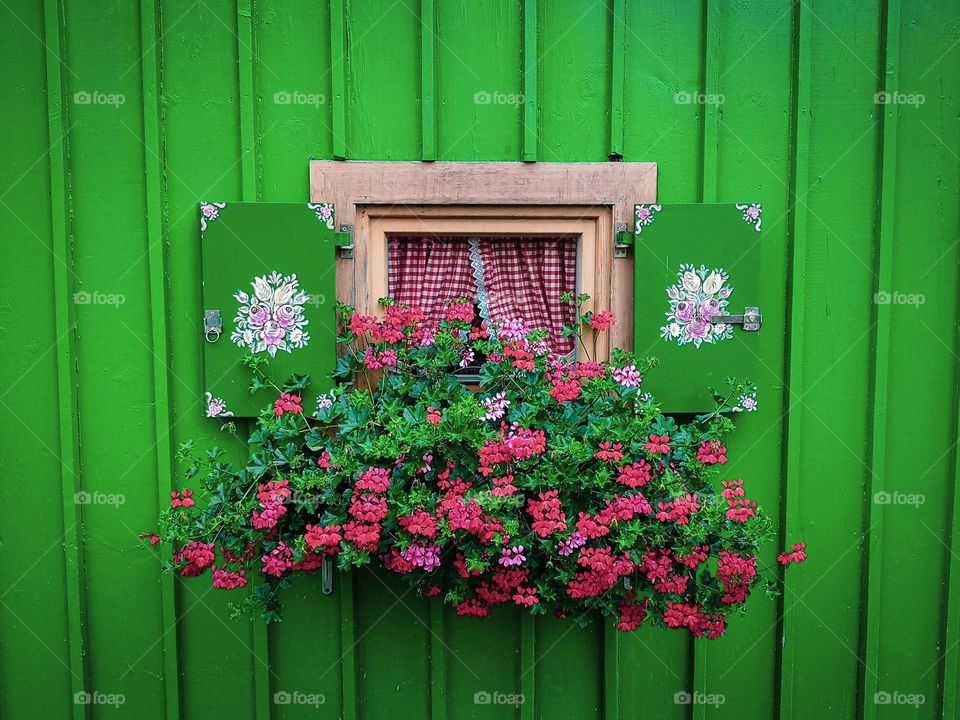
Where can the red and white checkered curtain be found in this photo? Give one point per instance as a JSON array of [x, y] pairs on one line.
[[524, 278], [426, 272], [518, 278]]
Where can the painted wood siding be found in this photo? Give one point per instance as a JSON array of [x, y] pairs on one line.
[[119, 116]]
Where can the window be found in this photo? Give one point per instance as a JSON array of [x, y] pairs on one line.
[[587, 201], [508, 278]]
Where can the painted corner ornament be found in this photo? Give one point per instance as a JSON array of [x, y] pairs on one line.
[[217, 407], [751, 213], [699, 296], [324, 213], [209, 212], [271, 320], [645, 215]]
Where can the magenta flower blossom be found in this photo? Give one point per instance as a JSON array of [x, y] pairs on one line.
[[510, 557], [423, 556], [628, 376], [575, 541], [515, 329], [496, 406]]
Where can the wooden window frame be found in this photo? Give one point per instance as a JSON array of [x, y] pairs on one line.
[[517, 196]]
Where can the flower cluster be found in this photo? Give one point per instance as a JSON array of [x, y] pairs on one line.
[[555, 485]]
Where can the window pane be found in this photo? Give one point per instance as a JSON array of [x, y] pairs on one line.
[[508, 278]]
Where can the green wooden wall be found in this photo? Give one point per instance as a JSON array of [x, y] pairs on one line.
[[118, 116]]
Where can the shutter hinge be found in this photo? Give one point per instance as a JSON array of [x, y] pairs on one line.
[[345, 242], [622, 238]]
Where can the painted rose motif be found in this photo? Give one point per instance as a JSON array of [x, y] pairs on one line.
[[645, 215], [324, 213], [698, 297], [747, 401], [271, 320], [209, 212], [751, 213], [217, 407]]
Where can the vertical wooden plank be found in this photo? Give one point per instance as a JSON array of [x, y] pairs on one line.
[[35, 641], [438, 661], [664, 44], [428, 87], [708, 194], [950, 668], [617, 61], [384, 119], [248, 135], [711, 110], [880, 364], [248, 165], [469, 127], [338, 76], [611, 670], [201, 141], [530, 134], [153, 178], [348, 642], [66, 368], [796, 271], [528, 662]]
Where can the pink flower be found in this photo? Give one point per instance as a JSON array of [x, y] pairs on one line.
[[426, 557], [182, 499], [797, 554], [602, 320], [433, 416], [459, 312], [574, 542], [512, 556], [658, 445], [223, 579], [609, 452], [565, 390], [526, 597], [634, 476], [325, 538], [496, 406], [195, 558], [154, 539], [628, 376], [712, 453], [678, 510], [287, 403], [277, 561]]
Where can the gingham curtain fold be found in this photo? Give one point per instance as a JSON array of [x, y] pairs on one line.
[[524, 278], [428, 271]]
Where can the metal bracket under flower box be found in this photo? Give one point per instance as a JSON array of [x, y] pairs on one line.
[[326, 575]]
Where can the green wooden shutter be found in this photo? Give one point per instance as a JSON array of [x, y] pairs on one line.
[[694, 264], [269, 269]]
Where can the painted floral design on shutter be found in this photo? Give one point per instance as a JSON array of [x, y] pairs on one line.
[[645, 215], [751, 213], [699, 296], [209, 212], [271, 320], [217, 407], [324, 213]]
